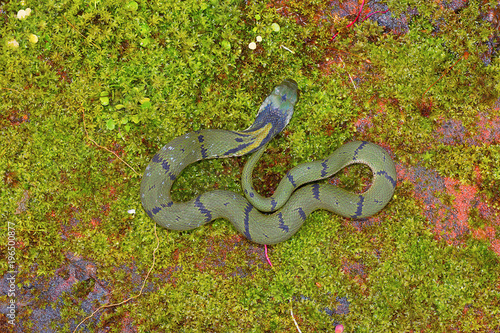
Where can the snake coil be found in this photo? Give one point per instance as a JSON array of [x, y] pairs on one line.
[[263, 220]]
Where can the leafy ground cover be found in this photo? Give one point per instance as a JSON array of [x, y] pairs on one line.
[[90, 90]]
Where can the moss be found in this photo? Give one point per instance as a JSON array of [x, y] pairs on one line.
[[423, 86]]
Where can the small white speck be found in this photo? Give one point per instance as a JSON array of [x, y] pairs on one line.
[[259, 39], [13, 43], [23, 13], [252, 46], [170, 148], [131, 211]]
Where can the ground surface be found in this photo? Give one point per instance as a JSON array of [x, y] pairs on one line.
[[91, 90]]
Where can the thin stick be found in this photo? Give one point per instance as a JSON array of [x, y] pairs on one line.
[[380, 11], [286, 48], [350, 77], [359, 13], [296, 325], [98, 145], [466, 54], [12, 90], [269, 261], [130, 298], [79, 31]]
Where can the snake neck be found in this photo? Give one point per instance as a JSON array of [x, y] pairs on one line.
[[273, 116], [256, 139], [159, 176]]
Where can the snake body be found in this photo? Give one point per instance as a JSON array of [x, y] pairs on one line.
[[263, 220]]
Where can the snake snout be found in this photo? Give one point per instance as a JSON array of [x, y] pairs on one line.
[[291, 89], [291, 84]]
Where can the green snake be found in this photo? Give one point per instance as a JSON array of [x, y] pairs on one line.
[[263, 220]]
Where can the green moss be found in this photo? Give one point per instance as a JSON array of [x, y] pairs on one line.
[[144, 72]]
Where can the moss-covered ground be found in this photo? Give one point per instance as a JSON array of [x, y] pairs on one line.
[[90, 90]]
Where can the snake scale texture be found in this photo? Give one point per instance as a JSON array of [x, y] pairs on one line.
[[263, 220]]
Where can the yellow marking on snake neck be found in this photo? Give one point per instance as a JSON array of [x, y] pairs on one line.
[[259, 135]]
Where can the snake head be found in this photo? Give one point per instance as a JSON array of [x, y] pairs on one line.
[[287, 96], [276, 110]]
